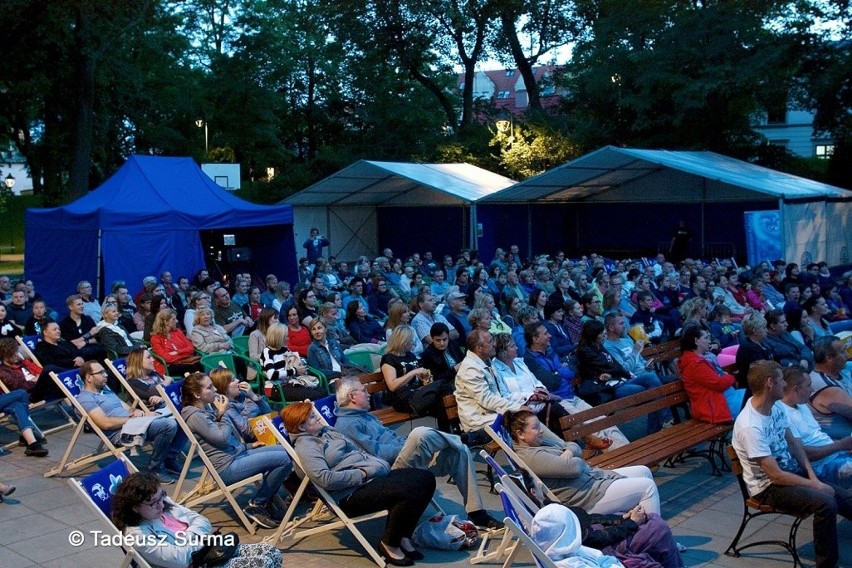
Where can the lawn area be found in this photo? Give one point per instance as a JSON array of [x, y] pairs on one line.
[[12, 233]]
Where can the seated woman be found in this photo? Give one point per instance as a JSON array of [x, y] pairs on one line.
[[298, 337], [18, 373], [363, 327], [143, 377], [204, 411], [306, 304], [817, 309], [572, 480], [361, 483], [143, 309], [171, 344], [285, 366], [599, 369], [253, 307], [485, 301], [326, 354], [112, 335], [398, 314], [409, 388], [167, 534], [257, 338], [243, 403], [7, 328], [706, 385], [197, 300], [208, 336]]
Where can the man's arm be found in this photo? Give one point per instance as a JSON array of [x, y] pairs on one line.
[[834, 400], [105, 422], [815, 453]]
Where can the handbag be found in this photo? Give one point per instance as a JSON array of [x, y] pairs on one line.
[[211, 555], [595, 392]]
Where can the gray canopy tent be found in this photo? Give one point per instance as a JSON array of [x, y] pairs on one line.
[[409, 207], [631, 194]]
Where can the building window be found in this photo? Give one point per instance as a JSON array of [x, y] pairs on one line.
[[823, 151], [504, 94], [510, 73]]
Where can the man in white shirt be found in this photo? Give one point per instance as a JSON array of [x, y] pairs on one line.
[[831, 460], [776, 469]]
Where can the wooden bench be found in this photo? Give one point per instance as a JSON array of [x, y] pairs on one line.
[[669, 443], [375, 384], [664, 355]]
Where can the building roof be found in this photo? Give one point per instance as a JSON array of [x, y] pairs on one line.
[[370, 183], [613, 174]]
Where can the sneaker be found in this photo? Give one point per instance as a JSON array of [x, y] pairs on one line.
[[680, 547], [259, 514], [36, 450], [274, 513], [484, 520]]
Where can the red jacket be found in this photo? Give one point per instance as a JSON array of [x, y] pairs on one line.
[[174, 348], [704, 388]]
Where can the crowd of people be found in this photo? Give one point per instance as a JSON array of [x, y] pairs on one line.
[[527, 339]]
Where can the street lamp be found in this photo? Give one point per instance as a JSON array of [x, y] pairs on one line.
[[199, 123], [506, 124], [9, 182]]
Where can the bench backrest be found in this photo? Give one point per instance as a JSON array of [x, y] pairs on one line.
[[375, 384], [622, 410]]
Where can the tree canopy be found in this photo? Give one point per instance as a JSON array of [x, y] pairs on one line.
[[303, 88]]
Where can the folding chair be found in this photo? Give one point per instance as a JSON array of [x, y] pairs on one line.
[[290, 525], [210, 362], [55, 404], [28, 344], [96, 491], [118, 368], [516, 521], [199, 494], [71, 384]]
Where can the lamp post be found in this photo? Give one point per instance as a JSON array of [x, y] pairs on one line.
[[9, 182], [199, 123]]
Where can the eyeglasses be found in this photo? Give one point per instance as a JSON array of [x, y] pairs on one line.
[[158, 500], [100, 373]]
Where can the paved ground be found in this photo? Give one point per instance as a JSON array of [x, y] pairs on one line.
[[704, 513]]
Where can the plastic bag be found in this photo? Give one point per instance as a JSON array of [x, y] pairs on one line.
[[446, 532]]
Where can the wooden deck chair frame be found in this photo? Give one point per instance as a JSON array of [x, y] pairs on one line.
[[289, 527], [131, 556], [198, 494], [114, 368], [27, 350], [64, 464], [509, 502]]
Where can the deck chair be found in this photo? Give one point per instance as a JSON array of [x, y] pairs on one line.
[[96, 491], [118, 368], [200, 494], [55, 404], [291, 527], [28, 344], [71, 384], [503, 439], [518, 518]]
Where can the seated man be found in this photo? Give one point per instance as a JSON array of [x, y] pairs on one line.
[[592, 307], [831, 460], [831, 402], [39, 319], [776, 469], [356, 294], [783, 346], [229, 315], [268, 295], [426, 318], [423, 448], [480, 394], [110, 414], [560, 343], [19, 311], [626, 351], [439, 285], [80, 330]]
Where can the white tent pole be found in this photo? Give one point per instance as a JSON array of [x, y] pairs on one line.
[[782, 219]]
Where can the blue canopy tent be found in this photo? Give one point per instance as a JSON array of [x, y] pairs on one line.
[[147, 218]]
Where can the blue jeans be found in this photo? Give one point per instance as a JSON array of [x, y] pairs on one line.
[[17, 402], [163, 435], [641, 383], [272, 461]]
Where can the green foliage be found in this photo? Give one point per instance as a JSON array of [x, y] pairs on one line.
[[531, 149]]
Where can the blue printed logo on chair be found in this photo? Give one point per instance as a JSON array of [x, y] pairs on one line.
[[72, 381], [103, 484], [325, 406], [121, 366]]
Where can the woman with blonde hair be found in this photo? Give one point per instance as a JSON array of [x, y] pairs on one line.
[[409, 388], [197, 300], [243, 402], [172, 345], [143, 378], [287, 367], [399, 313], [111, 334], [209, 337]]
